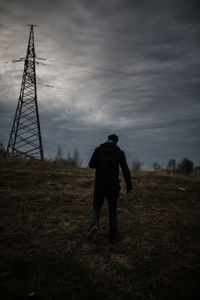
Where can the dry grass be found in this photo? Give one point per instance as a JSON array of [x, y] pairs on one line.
[[45, 215]]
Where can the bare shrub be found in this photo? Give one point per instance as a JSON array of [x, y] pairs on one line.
[[136, 165], [186, 166], [156, 166]]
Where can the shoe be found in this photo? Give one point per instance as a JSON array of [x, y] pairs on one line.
[[92, 232]]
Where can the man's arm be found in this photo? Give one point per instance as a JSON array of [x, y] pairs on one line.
[[93, 160], [126, 172]]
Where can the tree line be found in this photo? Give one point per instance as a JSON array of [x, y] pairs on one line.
[[73, 159], [186, 166]]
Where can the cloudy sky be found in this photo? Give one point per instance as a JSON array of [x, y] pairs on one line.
[[126, 67]]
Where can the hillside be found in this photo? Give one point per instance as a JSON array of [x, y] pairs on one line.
[[44, 218]]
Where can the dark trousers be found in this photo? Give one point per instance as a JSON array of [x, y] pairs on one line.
[[111, 193]]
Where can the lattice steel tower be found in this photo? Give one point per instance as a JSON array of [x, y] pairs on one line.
[[25, 138]]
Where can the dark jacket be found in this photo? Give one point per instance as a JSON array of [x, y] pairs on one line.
[[106, 159]]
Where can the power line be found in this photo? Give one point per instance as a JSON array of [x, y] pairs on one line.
[[131, 80], [119, 39], [47, 85], [105, 70], [119, 71], [91, 93], [104, 37], [112, 71], [134, 74]]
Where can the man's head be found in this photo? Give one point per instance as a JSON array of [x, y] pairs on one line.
[[113, 137]]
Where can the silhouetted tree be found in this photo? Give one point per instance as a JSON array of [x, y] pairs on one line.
[[186, 166], [77, 160], [59, 155], [2, 150], [197, 169], [70, 160], [136, 165], [156, 166], [171, 165], [68, 155]]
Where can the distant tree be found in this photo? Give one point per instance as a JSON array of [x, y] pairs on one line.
[[76, 158], [186, 166], [197, 169], [2, 150], [68, 156], [171, 165], [136, 165], [156, 166], [59, 155]]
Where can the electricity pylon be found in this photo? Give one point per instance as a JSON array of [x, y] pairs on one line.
[[25, 137]]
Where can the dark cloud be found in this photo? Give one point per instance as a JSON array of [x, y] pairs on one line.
[[188, 11], [124, 67]]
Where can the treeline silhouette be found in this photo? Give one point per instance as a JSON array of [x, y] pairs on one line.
[[185, 166], [73, 160]]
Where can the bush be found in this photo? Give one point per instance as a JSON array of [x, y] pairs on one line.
[[2, 150], [156, 166], [136, 165], [171, 165], [186, 166]]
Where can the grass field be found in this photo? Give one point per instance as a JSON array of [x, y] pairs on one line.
[[44, 218]]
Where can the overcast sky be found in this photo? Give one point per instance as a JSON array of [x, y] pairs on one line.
[[126, 67]]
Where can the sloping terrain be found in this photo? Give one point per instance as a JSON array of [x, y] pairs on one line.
[[45, 213]]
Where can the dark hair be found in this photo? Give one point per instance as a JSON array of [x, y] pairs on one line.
[[113, 137]]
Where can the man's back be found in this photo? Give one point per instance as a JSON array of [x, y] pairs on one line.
[[106, 160]]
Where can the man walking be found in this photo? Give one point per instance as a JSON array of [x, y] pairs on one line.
[[106, 159]]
